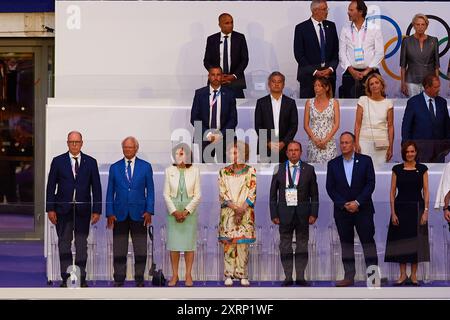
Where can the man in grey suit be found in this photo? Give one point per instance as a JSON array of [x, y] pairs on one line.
[[294, 205]]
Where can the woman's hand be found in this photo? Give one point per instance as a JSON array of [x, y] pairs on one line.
[[389, 154], [424, 218], [404, 89], [394, 219]]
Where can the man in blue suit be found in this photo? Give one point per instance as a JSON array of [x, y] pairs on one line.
[[316, 49], [74, 201], [426, 121], [350, 184], [214, 117], [130, 202]]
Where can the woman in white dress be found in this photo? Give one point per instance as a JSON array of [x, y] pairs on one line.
[[374, 123], [321, 121]]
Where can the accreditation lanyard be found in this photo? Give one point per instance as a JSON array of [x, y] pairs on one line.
[[364, 34], [295, 177], [211, 104]]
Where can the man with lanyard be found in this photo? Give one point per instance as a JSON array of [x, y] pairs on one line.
[[294, 205], [360, 50]]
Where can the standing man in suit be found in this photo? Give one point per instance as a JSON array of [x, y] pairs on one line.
[[275, 112], [74, 201], [228, 49], [350, 184], [316, 49], [130, 202], [214, 117], [426, 121], [294, 205]]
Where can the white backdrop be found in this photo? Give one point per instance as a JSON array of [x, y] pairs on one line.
[[154, 49]]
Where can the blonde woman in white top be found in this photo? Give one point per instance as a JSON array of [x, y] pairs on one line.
[[182, 196], [374, 123]]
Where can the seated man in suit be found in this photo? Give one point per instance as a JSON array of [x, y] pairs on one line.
[[275, 112], [316, 49], [228, 49], [294, 205], [74, 201], [350, 184], [214, 117], [130, 202], [426, 121]]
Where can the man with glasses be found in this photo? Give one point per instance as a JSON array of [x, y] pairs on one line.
[[74, 201], [316, 49]]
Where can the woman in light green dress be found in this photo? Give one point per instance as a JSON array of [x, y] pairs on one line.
[[182, 196]]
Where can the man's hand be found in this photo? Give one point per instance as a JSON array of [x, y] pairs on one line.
[[351, 207], [52, 217], [110, 223], [276, 220], [95, 217], [147, 219], [227, 78], [447, 215], [312, 220]]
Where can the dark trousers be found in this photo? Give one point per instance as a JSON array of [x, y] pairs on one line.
[[351, 88], [432, 151], [307, 87], [345, 223], [64, 230], [300, 226], [120, 248]]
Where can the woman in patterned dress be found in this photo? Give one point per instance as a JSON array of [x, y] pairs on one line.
[[321, 121], [237, 195]]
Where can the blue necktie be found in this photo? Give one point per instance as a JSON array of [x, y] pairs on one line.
[[322, 44], [129, 171], [77, 166], [214, 112], [430, 106], [226, 68]]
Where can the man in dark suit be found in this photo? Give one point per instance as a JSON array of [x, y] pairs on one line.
[[74, 201], [426, 121], [294, 205], [275, 112], [350, 184], [228, 49], [130, 202], [214, 117], [316, 49]]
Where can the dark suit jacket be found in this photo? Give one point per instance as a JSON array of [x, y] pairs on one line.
[[288, 122], [87, 182], [133, 198], [417, 121], [307, 49], [201, 109], [239, 56], [307, 194], [362, 186]]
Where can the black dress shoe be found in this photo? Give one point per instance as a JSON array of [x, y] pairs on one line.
[[345, 283], [140, 284], [302, 283], [63, 284], [84, 284], [118, 284], [287, 283]]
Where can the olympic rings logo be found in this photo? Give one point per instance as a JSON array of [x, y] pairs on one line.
[[398, 42]]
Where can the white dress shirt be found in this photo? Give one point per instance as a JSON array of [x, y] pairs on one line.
[[133, 161], [276, 107], [317, 29], [219, 104], [78, 156]]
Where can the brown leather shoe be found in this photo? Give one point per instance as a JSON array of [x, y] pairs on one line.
[[345, 283]]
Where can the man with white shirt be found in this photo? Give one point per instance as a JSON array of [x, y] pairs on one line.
[[214, 117], [228, 49], [276, 121], [360, 50], [74, 201], [130, 202], [316, 49]]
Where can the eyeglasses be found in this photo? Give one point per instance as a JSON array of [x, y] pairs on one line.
[[74, 143]]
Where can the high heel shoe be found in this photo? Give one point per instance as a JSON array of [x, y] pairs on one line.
[[414, 283], [172, 282], [401, 283], [188, 282]]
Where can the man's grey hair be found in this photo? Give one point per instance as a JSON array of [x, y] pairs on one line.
[[74, 131], [316, 3], [136, 143]]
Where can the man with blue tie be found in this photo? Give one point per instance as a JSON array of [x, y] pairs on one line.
[[74, 201], [350, 184], [426, 121], [130, 202], [214, 117], [316, 49]]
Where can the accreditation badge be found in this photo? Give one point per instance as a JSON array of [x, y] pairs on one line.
[[359, 55], [291, 197]]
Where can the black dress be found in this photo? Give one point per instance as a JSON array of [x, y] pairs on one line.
[[408, 242]]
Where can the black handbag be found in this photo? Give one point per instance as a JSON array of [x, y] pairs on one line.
[[158, 279]]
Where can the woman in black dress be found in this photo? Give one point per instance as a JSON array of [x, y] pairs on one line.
[[407, 240]]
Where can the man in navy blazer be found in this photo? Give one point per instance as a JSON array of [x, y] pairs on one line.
[[426, 121], [130, 202], [316, 49], [74, 201], [228, 49], [275, 112], [214, 117], [350, 184]]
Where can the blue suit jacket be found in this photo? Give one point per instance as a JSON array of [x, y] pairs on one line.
[[87, 182], [307, 48], [201, 109], [133, 198], [417, 122], [362, 186]]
